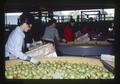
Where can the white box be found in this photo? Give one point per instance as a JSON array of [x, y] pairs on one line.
[[108, 57]]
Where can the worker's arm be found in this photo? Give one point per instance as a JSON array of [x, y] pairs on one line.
[[17, 50]]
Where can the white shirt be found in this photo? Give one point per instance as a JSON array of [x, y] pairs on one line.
[[14, 44]]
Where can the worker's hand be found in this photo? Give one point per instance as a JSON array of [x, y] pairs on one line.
[[34, 61], [63, 40]]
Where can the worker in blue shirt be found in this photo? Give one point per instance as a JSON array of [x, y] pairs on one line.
[[15, 42]]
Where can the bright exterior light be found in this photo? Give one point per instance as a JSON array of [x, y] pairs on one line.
[[13, 14], [110, 29]]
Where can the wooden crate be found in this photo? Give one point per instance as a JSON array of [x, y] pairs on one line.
[[41, 50]]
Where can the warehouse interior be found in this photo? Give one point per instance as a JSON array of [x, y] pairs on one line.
[[103, 14]]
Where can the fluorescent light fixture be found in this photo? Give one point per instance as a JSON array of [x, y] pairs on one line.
[[13, 14]]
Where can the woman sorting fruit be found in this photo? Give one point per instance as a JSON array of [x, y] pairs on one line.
[[15, 42], [68, 32], [51, 33]]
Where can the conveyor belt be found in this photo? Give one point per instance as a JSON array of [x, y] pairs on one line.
[[91, 61]]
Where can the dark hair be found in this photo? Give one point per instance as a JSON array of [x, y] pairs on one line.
[[26, 17], [52, 21]]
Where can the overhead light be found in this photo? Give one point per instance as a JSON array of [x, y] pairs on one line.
[[13, 14]]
